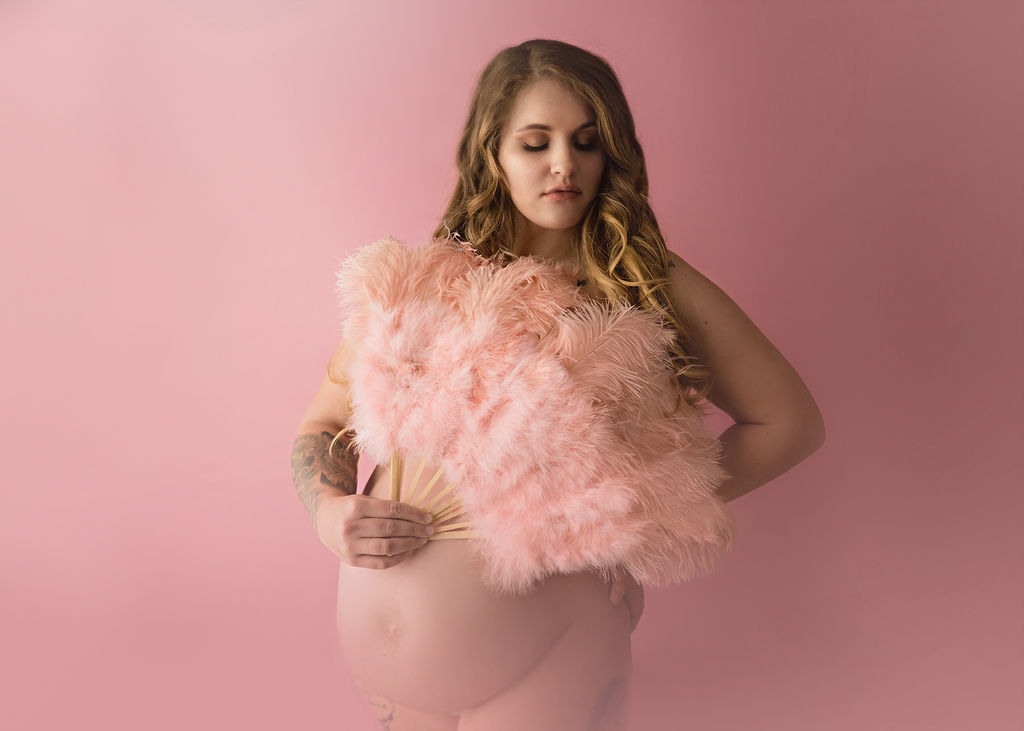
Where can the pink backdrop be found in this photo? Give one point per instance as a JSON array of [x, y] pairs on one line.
[[179, 180]]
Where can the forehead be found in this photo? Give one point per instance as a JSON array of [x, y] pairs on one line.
[[549, 103]]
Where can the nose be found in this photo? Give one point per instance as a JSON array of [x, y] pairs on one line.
[[563, 162]]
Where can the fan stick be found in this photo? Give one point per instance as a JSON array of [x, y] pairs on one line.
[[452, 507], [429, 506], [451, 527], [396, 476], [454, 535], [416, 478], [426, 488]]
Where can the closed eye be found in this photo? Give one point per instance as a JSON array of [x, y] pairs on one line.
[[538, 148]]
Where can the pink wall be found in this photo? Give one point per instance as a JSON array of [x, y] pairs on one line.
[[178, 182]]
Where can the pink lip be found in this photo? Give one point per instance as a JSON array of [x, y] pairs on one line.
[[562, 195]]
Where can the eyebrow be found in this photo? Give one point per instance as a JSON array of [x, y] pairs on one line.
[[546, 128]]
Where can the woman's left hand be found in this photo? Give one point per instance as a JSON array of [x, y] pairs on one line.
[[623, 585]]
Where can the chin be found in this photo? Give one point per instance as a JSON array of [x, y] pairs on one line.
[[558, 224]]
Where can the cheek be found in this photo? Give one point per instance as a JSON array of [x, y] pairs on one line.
[[520, 174]]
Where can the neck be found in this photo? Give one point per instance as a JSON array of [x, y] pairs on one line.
[[546, 243]]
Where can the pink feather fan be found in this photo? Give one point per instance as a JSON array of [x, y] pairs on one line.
[[552, 413]]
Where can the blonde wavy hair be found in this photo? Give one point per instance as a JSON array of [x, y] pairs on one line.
[[621, 249]]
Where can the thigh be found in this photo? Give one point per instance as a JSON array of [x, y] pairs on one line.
[[395, 717], [581, 684]]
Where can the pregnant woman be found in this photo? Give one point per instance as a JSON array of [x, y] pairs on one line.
[[529, 385]]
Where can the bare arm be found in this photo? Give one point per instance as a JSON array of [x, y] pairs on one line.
[[318, 471], [361, 530], [778, 424]]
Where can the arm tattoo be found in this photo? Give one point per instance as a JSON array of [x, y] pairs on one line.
[[316, 472]]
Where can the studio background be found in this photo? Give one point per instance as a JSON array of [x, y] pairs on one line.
[[179, 181]]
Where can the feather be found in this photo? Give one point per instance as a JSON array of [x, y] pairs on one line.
[[618, 354], [549, 411]]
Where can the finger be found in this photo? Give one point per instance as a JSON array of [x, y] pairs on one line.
[[391, 528], [387, 546], [380, 562], [632, 613], [394, 510], [617, 592], [635, 600]]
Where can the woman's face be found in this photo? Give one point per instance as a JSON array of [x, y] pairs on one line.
[[550, 141]]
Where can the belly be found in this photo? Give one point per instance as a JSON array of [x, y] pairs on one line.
[[429, 634]]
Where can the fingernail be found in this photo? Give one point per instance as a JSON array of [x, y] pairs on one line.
[[430, 531]]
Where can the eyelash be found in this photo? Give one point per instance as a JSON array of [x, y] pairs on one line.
[[531, 148]]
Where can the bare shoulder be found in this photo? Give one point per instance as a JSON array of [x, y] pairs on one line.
[[751, 380]]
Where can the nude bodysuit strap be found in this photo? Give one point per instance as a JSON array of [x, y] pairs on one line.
[[442, 511]]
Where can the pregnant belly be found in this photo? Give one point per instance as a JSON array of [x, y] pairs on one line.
[[430, 635]]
